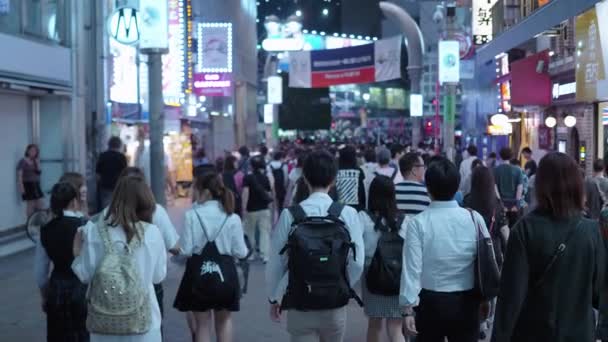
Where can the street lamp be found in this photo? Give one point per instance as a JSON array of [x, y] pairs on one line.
[[570, 121], [550, 122]]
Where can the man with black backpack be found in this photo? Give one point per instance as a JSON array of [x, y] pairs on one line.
[[317, 255]]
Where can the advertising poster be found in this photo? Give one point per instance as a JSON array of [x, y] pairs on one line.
[[589, 56], [215, 47]]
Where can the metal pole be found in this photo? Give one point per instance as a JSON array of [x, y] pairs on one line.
[[157, 126]]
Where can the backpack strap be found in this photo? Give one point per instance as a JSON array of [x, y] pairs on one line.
[[298, 213], [394, 173], [202, 225], [335, 210]]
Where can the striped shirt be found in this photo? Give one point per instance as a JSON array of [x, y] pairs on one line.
[[412, 197]]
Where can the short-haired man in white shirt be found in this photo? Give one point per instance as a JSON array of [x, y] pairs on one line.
[[314, 325], [439, 263]]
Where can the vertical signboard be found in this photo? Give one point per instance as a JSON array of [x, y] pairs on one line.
[[174, 76], [275, 90], [154, 24], [589, 60], [482, 21], [416, 107], [449, 61]]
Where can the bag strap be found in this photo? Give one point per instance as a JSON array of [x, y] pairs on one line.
[[602, 195], [335, 210], [298, 213], [492, 222], [561, 248], [394, 173], [205, 230], [477, 229]]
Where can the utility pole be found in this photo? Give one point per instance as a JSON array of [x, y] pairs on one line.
[[157, 123]]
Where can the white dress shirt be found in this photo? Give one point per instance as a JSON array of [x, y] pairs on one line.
[[439, 251], [230, 241], [42, 262], [150, 259], [465, 172], [316, 205]]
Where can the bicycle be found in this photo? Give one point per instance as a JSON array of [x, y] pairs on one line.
[[35, 221]]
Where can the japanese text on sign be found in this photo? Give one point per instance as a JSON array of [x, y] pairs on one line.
[[482, 21]]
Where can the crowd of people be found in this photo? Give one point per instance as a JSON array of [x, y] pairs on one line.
[[406, 228]]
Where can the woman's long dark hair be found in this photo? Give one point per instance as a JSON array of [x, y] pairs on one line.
[[382, 201], [483, 198], [559, 186]]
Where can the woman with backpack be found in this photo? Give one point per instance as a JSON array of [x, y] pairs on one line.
[[121, 257], [213, 237], [380, 218], [63, 295]]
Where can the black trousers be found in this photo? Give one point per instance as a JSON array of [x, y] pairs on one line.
[[454, 315]]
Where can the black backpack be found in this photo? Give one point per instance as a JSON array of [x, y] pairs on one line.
[[318, 249], [384, 273], [279, 183], [217, 284]]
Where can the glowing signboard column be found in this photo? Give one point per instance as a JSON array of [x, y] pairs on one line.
[[482, 21]]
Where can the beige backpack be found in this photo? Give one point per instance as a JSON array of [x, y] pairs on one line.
[[118, 303]]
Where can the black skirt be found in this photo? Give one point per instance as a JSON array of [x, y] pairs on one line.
[[185, 300], [66, 310], [32, 191]]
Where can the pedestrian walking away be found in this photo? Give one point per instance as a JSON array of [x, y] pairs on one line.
[[213, 238], [350, 180], [509, 184], [108, 169], [381, 279], [257, 197], [315, 300], [553, 275], [63, 295], [439, 258], [142, 263]]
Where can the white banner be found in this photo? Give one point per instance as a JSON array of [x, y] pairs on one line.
[[275, 90], [300, 75], [388, 59], [154, 30], [449, 61]]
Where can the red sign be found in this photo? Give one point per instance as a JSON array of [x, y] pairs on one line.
[[213, 84]]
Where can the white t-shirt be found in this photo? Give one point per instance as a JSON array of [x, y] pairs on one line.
[[231, 239]]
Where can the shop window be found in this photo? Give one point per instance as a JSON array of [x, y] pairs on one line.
[[42, 19], [10, 16]]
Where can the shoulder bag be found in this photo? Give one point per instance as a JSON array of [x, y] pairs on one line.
[[487, 274]]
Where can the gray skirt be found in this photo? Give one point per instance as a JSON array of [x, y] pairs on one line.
[[377, 306]]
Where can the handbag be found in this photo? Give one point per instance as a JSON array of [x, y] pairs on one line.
[[487, 274]]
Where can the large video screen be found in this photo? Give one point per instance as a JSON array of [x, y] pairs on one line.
[[304, 109]]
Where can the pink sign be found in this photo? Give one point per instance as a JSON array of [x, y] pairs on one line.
[[213, 84]]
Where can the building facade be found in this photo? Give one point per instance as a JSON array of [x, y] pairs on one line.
[[41, 93]]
